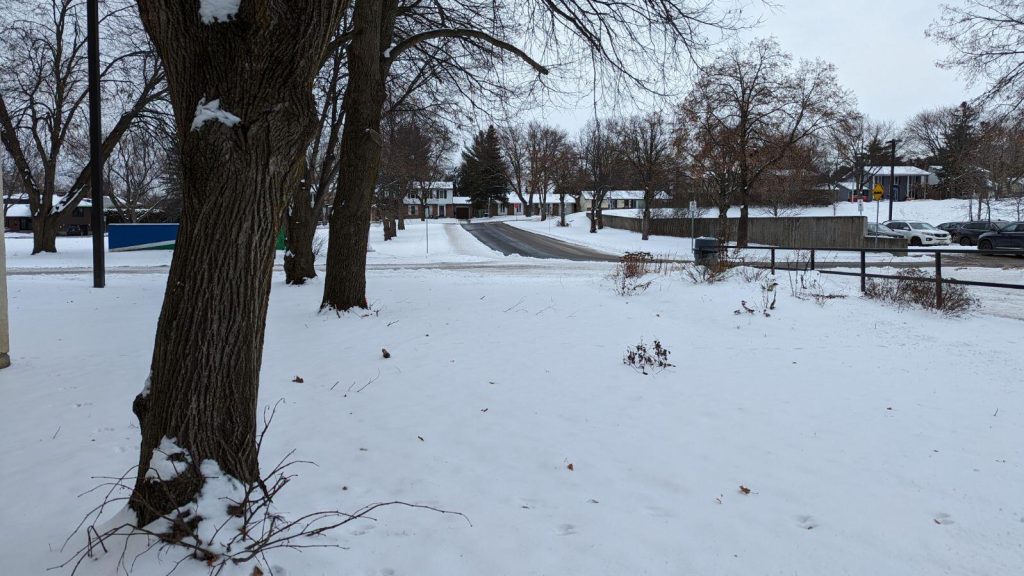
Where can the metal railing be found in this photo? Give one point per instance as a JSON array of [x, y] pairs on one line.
[[864, 275]]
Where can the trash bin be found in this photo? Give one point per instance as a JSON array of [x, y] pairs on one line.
[[705, 251]]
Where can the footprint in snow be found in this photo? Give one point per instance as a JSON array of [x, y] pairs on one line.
[[566, 530], [807, 522], [942, 518]]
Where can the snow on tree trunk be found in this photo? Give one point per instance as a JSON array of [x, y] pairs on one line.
[[204, 378], [359, 162]]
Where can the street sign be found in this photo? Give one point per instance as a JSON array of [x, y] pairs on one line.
[[877, 192], [693, 206]]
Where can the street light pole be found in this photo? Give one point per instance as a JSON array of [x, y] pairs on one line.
[[892, 175], [95, 144]]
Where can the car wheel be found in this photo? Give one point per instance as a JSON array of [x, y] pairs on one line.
[[965, 241], [985, 245], [915, 241]]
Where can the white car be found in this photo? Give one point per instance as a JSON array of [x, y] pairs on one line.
[[919, 233]]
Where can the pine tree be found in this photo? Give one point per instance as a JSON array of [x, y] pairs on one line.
[[482, 174], [961, 138]]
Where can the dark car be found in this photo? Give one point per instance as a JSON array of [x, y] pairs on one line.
[[969, 233], [881, 230], [1009, 237], [951, 227]]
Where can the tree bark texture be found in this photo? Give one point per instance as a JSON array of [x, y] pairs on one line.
[[742, 226], [204, 376], [646, 224], [300, 233], [359, 159]]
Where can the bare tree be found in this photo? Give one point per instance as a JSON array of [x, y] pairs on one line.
[[240, 87], [858, 146], [924, 134], [599, 156], [986, 38], [1001, 155], [134, 175], [645, 142], [319, 169], [545, 147], [43, 93], [789, 187], [514, 150], [754, 95]]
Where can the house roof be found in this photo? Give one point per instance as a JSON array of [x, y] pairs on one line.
[[900, 171], [552, 198], [624, 195], [18, 211]]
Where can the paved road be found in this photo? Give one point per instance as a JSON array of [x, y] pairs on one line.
[[511, 240]]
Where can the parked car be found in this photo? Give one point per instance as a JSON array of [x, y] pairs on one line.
[[968, 234], [1009, 237], [881, 230], [951, 227], [919, 233]]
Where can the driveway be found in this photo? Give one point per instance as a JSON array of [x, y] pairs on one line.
[[510, 240]]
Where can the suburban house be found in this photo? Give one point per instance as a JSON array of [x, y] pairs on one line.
[[517, 208], [619, 199], [440, 200], [18, 215], [911, 180]]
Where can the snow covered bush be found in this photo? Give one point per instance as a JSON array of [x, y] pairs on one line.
[[640, 358], [915, 287], [630, 271], [808, 285]]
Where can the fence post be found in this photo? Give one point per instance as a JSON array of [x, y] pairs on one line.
[[863, 271], [812, 258], [938, 280], [773, 261]]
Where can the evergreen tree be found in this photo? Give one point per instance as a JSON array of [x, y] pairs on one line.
[[961, 138], [482, 174]]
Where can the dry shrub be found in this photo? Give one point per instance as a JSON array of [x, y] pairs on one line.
[[630, 271], [641, 358], [915, 287], [704, 274], [807, 285], [752, 274]]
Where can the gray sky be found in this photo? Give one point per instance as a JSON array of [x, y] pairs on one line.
[[878, 46]]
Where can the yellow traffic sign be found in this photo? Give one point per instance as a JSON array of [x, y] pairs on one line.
[[877, 192]]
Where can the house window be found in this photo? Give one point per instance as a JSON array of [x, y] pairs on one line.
[[412, 209], [442, 194]]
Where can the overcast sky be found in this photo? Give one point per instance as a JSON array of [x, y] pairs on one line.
[[879, 48]]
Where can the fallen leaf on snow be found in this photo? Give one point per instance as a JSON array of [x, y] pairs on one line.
[[744, 489], [570, 467], [298, 380]]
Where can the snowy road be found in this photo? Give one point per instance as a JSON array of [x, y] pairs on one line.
[[509, 240]]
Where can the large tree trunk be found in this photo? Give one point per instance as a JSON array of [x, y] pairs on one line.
[[359, 162], [204, 378], [300, 233], [44, 234], [742, 226], [723, 224], [593, 217], [561, 211], [645, 226]]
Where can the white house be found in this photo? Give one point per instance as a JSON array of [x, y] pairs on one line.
[[516, 206], [619, 199], [439, 196], [910, 180]]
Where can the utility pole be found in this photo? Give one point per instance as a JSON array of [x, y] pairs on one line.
[[5, 329], [892, 175], [95, 144]]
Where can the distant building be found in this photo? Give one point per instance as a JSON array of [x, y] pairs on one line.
[[911, 180], [619, 199], [18, 216]]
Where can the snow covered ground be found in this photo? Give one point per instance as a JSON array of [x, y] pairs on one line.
[[448, 243], [872, 441]]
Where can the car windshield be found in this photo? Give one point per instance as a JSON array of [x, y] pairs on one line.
[[1011, 227], [922, 226]]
